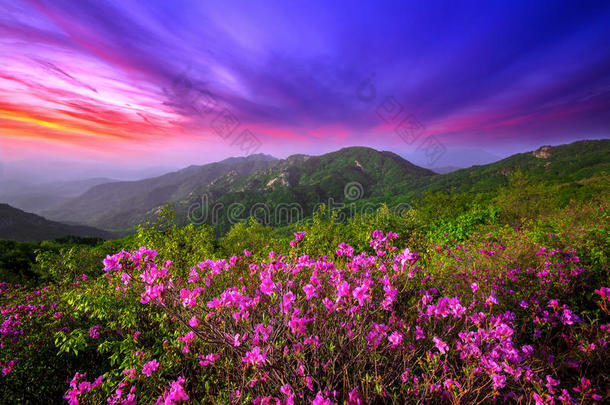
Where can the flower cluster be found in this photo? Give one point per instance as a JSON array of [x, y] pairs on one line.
[[474, 322], [328, 330]]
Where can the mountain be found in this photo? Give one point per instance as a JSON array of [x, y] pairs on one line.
[[292, 188], [39, 197], [377, 172], [35, 171], [551, 164], [122, 205], [303, 179], [231, 190], [24, 226], [554, 164]]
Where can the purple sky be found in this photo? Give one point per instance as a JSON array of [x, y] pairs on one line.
[[167, 84]]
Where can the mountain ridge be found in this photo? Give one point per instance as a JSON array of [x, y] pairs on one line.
[[307, 180], [24, 226]]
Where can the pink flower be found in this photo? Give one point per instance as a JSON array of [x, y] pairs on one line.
[[474, 287], [538, 399], [492, 300], [298, 236], [287, 301], [361, 293], [419, 333], [236, 342], [254, 356], [194, 322], [310, 291], [267, 286], [208, 359], [395, 338], [321, 400], [151, 293], [568, 317], [94, 331], [343, 290], [175, 394], [550, 383], [354, 397], [440, 345], [604, 292], [149, 367], [297, 324], [125, 278], [566, 397], [408, 257], [499, 380], [130, 372], [111, 263]]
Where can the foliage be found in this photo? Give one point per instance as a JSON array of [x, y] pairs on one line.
[[505, 300]]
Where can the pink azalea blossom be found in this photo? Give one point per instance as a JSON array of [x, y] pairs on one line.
[[267, 286], [287, 301], [194, 322], [310, 291], [395, 338], [254, 356], [321, 400], [94, 331], [440, 345], [361, 293], [150, 367]]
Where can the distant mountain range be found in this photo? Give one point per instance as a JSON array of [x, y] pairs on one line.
[[38, 197], [355, 174], [120, 206], [23, 226]]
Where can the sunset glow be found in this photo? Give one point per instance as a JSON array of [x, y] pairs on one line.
[[149, 79]]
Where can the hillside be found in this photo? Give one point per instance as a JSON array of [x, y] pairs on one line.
[[123, 205], [24, 226], [562, 164], [555, 164], [307, 180], [259, 184], [302, 182]]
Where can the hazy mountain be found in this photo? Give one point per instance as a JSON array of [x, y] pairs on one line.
[[124, 204], [24, 226], [38, 197], [41, 171], [350, 174], [302, 182], [259, 178]]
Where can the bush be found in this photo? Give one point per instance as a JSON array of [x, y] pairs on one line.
[[499, 318]]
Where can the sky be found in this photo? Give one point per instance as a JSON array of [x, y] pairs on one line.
[[154, 84]]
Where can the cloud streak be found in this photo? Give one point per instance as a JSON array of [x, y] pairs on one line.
[[101, 76]]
